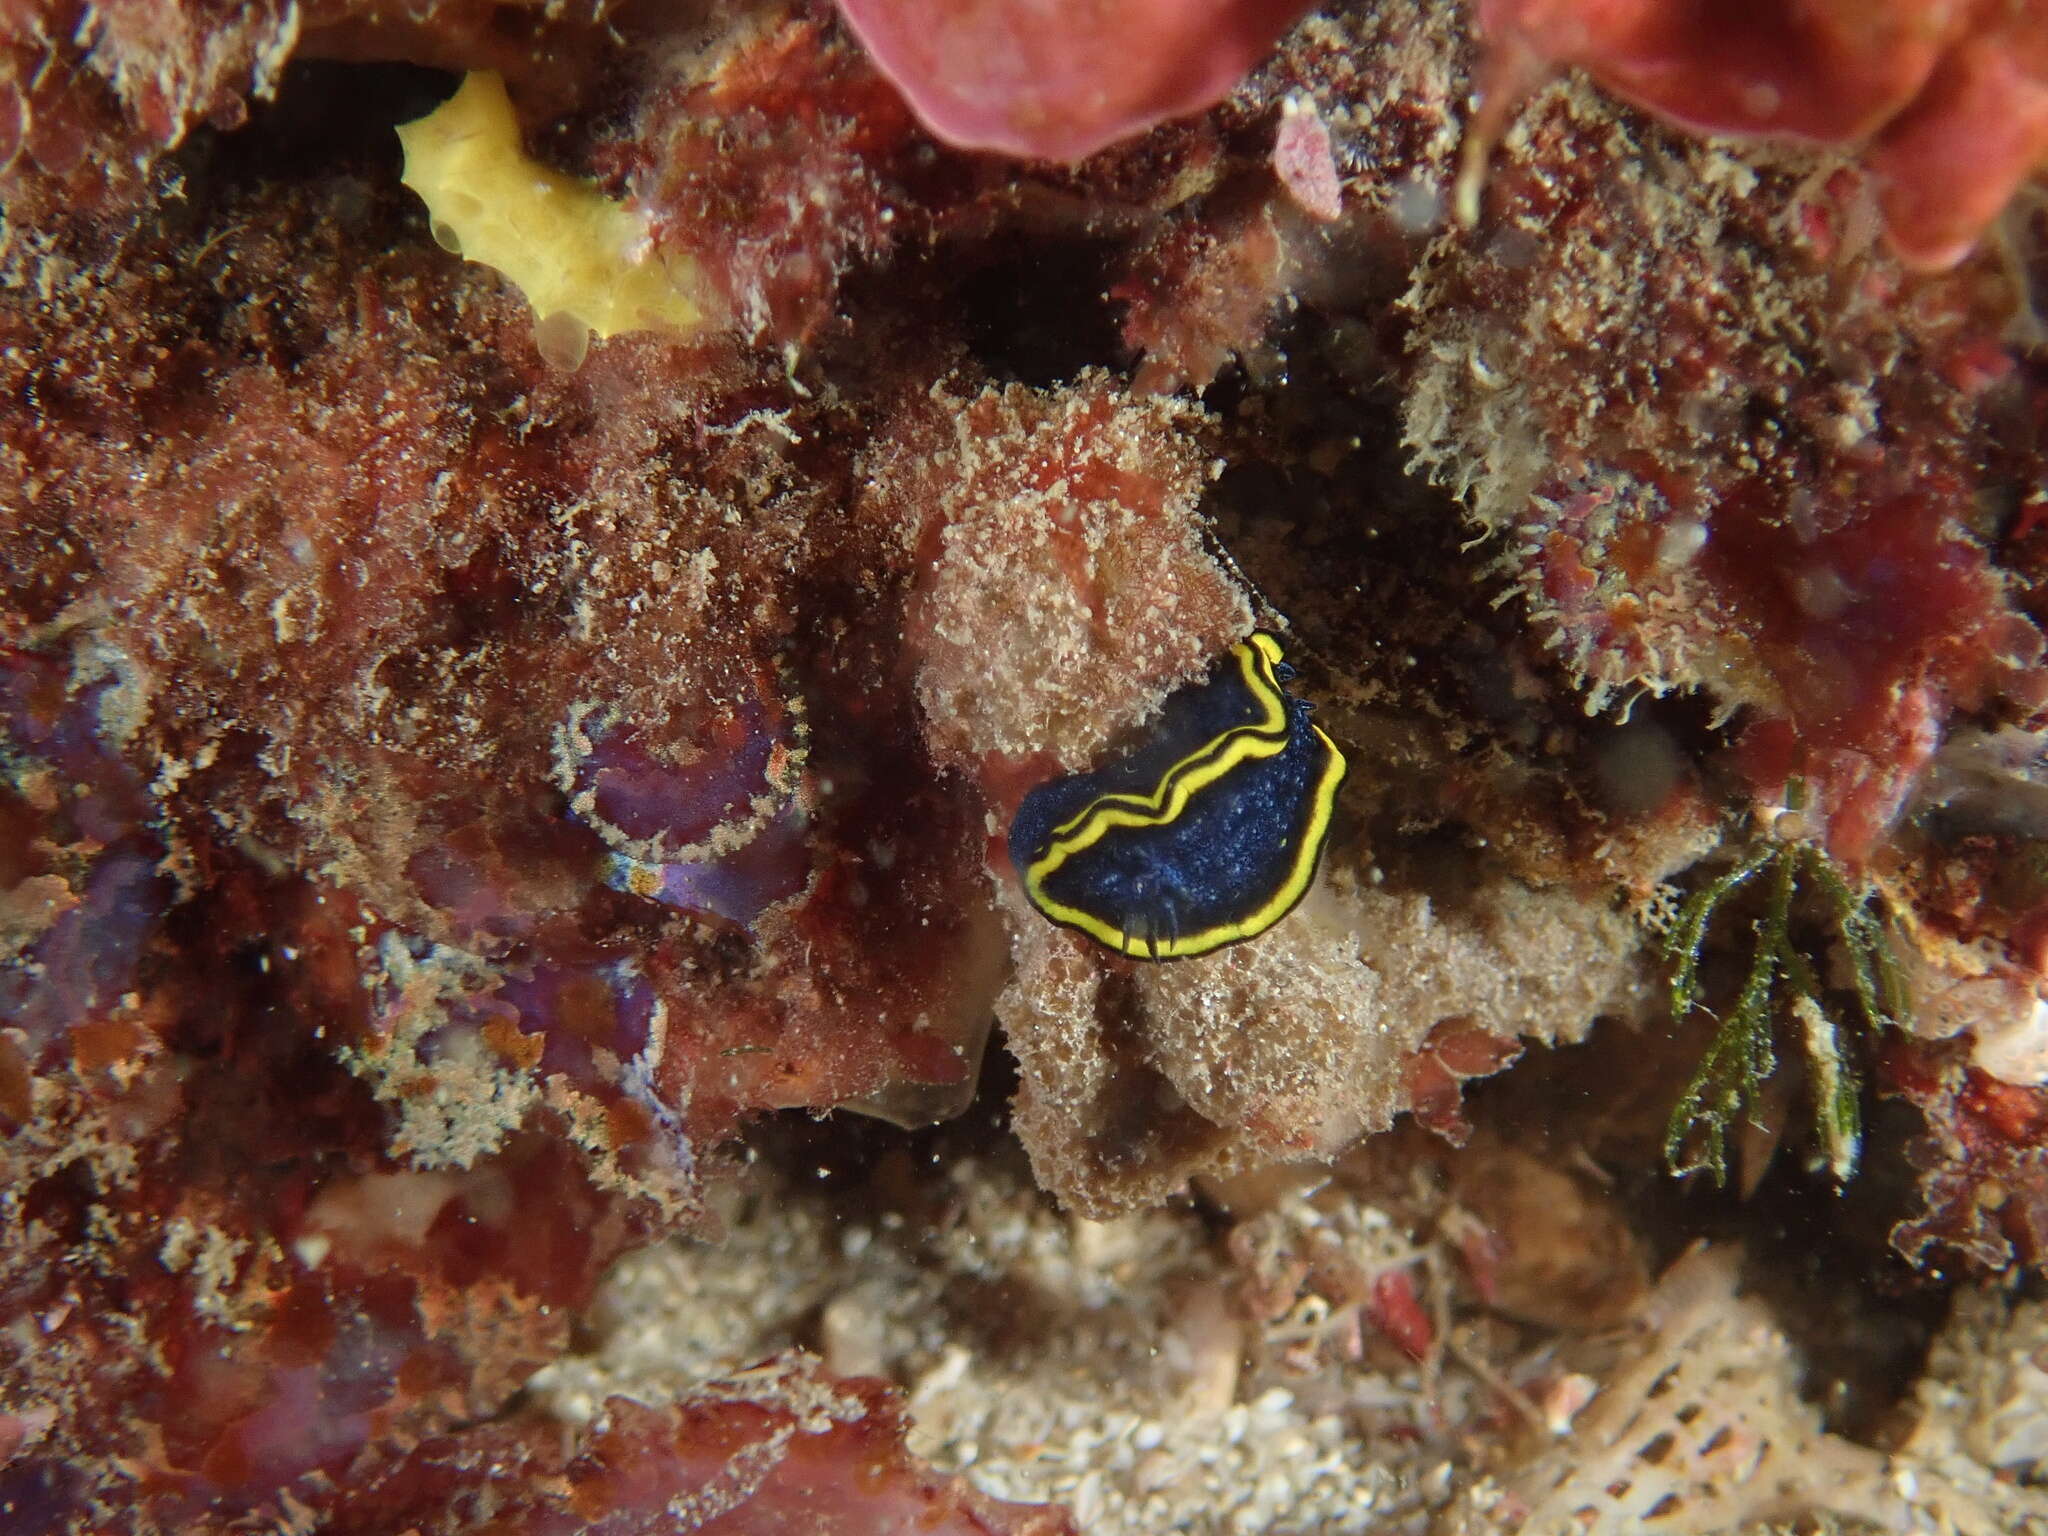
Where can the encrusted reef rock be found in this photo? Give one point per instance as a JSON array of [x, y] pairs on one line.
[[417, 759], [1064, 589], [1137, 1078], [1727, 444], [780, 1447], [479, 735]]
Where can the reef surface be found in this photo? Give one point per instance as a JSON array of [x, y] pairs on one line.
[[521, 640]]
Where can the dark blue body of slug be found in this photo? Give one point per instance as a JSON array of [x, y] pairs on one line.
[[1206, 835]]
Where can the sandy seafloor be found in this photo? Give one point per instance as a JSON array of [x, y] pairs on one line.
[[1098, 1364]]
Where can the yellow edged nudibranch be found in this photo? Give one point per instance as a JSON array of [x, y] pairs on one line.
[[1207, 834]]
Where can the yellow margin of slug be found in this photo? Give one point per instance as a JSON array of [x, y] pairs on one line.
[[1257, 657]]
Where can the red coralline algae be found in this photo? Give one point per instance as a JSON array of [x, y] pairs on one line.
[[175, 1171], [782, 160], [780, 1448], [1752, 473], [351, 653], [1983, 1162], [1949, 98], [91, 96], [1201, 294], [283, 1338], [447, 798], [1063, 589], [1876, 632], [1454, 1053], [779, 164], [1726, 444], [114, 85], [1059, 83], [84, 889], [1968, 892]]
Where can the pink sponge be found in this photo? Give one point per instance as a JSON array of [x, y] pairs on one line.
[[1948, 99], [1059, 79]]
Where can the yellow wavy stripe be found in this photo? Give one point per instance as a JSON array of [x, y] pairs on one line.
[[1256, 657], [1282, 900], [1193, 773]]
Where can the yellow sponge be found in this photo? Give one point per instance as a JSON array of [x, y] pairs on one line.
[[584, 262]]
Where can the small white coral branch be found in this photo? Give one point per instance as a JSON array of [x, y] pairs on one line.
[[1703, 1432]]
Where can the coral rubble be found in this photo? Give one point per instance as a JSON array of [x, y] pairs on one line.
[[479, 738]]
